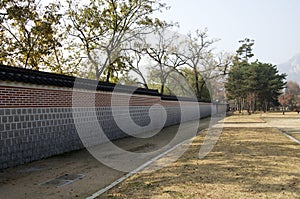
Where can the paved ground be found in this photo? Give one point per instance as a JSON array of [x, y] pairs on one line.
[[25, 181], [288, 123]]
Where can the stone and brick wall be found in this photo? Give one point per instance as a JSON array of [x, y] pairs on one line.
[[37, 121]]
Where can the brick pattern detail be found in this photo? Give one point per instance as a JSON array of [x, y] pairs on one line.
[[38, 123], [28, 134], [13, 97]]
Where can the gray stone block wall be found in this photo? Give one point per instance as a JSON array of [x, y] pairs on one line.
[[33, 133], [28, 134]]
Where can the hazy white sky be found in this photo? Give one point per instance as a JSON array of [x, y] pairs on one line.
[[273, 24]]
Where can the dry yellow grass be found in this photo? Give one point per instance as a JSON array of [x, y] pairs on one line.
[[295, 135], [245, 163]]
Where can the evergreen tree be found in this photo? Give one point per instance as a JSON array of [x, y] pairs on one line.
[[253, 85]]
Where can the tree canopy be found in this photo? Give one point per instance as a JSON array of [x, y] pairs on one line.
[[108, 40], [29, 33], [253, 85]]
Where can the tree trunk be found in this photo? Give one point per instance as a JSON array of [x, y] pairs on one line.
[[239, 105], [108, 76], [97, 74], [145, 82], [201, 89], [198, 94], [254, 104], [162, 88], [242, 104]]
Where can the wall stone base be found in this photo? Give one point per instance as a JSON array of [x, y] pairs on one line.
[[28, 134]]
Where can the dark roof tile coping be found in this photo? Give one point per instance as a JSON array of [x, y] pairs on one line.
[[16, 74]]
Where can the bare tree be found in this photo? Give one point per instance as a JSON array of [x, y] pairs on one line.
[[134, 58], [101, 28], [214, 71], [165, 54], [197, 48], [200, 58]]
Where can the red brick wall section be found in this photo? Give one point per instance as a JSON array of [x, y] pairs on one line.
[[14, 97], [18, 97]]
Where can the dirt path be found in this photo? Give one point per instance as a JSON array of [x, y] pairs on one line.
[[250, 160], [25, 181], [288, 123]]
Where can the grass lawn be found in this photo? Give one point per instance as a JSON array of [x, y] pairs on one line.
[[247, 162]]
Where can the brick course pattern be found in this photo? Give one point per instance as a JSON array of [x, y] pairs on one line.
[[11, 97], [37, 123]]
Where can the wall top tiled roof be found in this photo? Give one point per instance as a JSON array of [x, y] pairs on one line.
[[15, 74], [22, 75]]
